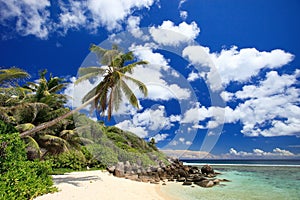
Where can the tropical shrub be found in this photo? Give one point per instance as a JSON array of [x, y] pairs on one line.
[[20, 178], [71, 159]]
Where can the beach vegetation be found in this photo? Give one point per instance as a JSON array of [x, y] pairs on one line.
[[20, 179]]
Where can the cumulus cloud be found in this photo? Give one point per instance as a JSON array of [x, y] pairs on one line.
[[76, 92], [159, 137], [29, 17], [111, 13], [258, 153], [198, 114], [129, 126], [193, 76], [32, 17], [170, 34], [233, 64], [268, 109], [72, 15], [149, 122], [183, 15], [133, 23], [154, 75]]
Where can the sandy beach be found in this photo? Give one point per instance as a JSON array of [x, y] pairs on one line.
[[94, 185]]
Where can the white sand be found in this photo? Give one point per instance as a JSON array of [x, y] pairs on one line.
[[100, 185]]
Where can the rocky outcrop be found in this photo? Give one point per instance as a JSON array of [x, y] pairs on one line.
[[176, 171], [207, 170]]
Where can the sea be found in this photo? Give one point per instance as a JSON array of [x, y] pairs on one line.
[[249, 180]]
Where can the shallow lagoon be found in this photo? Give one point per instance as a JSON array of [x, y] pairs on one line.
[[249, 181]]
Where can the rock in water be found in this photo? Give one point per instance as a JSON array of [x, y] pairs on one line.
[[207, 169], [205, 183]]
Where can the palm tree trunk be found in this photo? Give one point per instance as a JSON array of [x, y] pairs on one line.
[[56, 120]]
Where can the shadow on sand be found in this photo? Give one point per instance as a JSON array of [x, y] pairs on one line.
[[75, 181]]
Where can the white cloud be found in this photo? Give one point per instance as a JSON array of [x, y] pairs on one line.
[[153, 75], [145, 52], [175, 118], [111, 13], [159, 137], [72, 15], [181, 139], [133, 23], [193, 76], [150, 121], [153, 119], [256, 153], [235, 65], [129, 126], [76, 92], [181, 2], [200, 114], [170, 34], [269, 109], [31, 17], [183, 15]]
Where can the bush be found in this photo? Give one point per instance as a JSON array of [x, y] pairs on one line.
[[74, 160], [104, 154], [20, 178]]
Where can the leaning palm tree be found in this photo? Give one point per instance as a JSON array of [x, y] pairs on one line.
[[107, 95], [109, 91]]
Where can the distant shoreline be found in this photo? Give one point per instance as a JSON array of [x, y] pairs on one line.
[[244, 162]]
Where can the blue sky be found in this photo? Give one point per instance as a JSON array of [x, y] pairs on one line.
[[224, 75]]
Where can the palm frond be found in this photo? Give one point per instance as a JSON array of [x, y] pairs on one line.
[[11, 74], [117, 96], [27, 112], [97, 50], [54, 81], [129, 94], [56, 88], [90, 75], [142, 86], [32, 144], [24, 127], [49, 141], [110, 103], [93, 69], [129, 68], [91, 93]]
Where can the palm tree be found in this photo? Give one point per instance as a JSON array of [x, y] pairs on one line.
[[108, 93], [47, 91], [9, 76], [10, 95], [109, 90]]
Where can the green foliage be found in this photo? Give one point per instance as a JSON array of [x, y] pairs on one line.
[[25, 180], [11, 75], [20, 179], [128, 141], [104, 154], [6, 128], [71, 159]]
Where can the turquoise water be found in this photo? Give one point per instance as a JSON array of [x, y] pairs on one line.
[[247, 182]]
